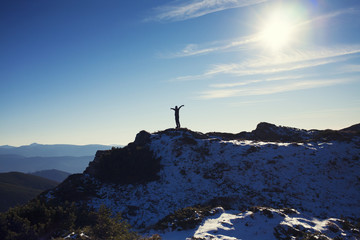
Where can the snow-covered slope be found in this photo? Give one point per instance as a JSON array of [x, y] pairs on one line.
[[266, 223], [317, 178]]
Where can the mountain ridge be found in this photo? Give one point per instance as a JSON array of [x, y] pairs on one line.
[[20, 163], [52, 174], [38, 157], [270, 132], [52, 150], [181, 184], [178, 168]]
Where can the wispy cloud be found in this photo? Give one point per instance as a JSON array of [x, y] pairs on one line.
[[285, 62], [259, 72], [301, 55], [245, 70], [241, 70], [207, 48], [350, 68], [201, 49], [262, 69], [253, 102], [266, 90], [248, 82], [182, 10], [328, 16]]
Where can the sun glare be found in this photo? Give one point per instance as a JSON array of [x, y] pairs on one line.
[[276, 32]]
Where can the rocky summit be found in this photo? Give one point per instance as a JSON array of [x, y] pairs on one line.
[[174, 179]]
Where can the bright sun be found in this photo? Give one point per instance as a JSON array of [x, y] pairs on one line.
[[277, 32]]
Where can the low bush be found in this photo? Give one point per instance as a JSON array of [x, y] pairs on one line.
[[132, 164], [183, 219], [40, 220]]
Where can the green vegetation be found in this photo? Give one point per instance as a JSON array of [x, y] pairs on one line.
[[109, 228], [183, 219], [35, 220], [42, 220]]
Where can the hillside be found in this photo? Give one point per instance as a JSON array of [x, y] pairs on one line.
[[18, 188], [53, 174], [315, 173], [272, 183]]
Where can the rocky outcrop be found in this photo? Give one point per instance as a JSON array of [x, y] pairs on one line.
[[162, 172], [133, 164], [272, 133], [142, 138], [269, 132]]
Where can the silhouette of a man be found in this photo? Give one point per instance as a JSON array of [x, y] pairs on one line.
[[177, 109]]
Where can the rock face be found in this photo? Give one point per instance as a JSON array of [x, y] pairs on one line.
[[166, 171], [133, 164], [268, 223], [270, 132], [142, 138]]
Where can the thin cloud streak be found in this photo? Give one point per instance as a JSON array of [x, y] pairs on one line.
[[304, 55], [201, 49], [328, 16], [243, 103], [290, 61], [241, 70], [198, 8], [244, 83], [350, 68], [267, 90], [196, 49]]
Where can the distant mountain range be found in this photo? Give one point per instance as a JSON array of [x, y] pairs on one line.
[[38, 157], [56, 150], [47, 165], [18, 188], [18, 163], [53, 174]]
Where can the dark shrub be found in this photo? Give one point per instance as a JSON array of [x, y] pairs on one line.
[[183, 219], [133, 164]]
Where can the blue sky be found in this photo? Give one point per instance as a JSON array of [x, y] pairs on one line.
[[91, 71]]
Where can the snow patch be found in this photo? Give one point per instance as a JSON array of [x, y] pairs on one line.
[[264, 223]]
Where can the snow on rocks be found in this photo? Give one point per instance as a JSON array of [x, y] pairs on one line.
[[317, 178], [266, 223]]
